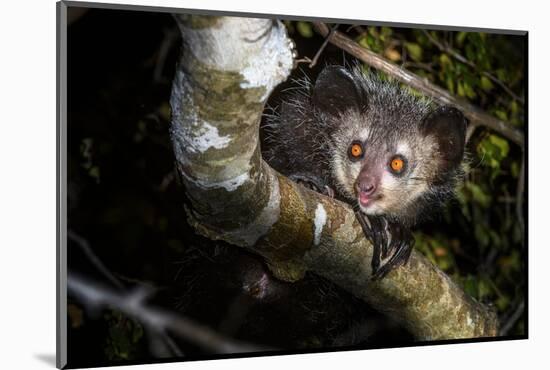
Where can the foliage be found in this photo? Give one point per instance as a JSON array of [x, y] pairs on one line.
[[124, 334], [486, 69], [479, 238]]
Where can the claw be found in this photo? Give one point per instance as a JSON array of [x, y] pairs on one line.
[[392, 243], [313, 183], [329, 191]]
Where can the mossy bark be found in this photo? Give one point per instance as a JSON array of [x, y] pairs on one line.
[[227, 70]]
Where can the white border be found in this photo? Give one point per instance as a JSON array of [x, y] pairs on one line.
[[27, 178]]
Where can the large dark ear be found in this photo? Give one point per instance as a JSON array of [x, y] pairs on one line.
[[447, 125], [336, 90]]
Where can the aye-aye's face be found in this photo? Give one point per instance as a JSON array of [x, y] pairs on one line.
[[383, 168]]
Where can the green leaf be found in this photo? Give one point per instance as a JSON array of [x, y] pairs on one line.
[[501, 143], [464, 203], [502, 303], [460, 37], [514, 107], [364, 42], [486, 83], [445, 60], [94, 173], [478, 195], [493, 150], [460, 89], [484, 288], [470, 286], [470, 93], [450, 84], [385, 32], [304, 29], [415, 51], [502, 74], [501, 115], [373, 31], [497, 242], [514, 169], [137, 333]]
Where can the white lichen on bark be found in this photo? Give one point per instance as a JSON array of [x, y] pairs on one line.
[[258, 49], [242, 60], [208, 137], [319, 223]]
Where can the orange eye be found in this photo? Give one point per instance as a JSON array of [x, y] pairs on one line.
[[397, 164], [356, 150]]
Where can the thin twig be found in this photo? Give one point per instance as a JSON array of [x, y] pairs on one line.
[[302, 60], [357, 28], [161, 345], [172, 345], [133, 304], [519, 195], [425, 66], [167, 180], [87, 250], [170, 37], [323, 46], [442, 96], [470, 131], [513, 319], [162, 340]]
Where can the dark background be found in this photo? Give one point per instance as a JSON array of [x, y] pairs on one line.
[[125, 202]]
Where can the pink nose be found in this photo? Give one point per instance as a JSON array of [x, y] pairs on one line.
[[366, 186]]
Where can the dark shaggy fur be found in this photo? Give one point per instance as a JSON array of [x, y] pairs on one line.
[[309, 134]]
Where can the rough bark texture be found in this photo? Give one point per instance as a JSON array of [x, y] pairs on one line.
[[227, 70]]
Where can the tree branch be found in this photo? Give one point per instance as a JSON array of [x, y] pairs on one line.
[[217, 102], [475, 115], [160, 343], [134, 305]]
